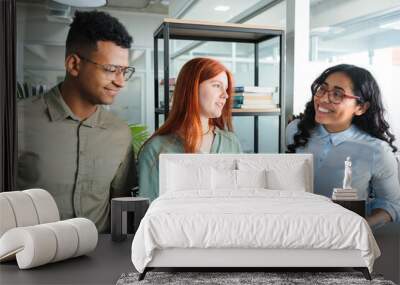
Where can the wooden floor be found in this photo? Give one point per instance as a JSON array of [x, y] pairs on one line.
[[388, 239]]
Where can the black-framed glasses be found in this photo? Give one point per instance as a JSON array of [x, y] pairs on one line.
[[335, 95], [112, 70]]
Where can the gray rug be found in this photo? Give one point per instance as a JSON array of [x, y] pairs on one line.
[[229, 278]]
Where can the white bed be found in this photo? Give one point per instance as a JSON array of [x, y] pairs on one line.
[[247, 211]]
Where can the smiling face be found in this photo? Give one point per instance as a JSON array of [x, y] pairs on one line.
[[213, 95], [99, 86], [337, 117]]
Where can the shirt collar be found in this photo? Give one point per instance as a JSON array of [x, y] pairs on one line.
[[59, 110], [336, 138]]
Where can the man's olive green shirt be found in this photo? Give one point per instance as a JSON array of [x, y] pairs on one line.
[[81, 163]]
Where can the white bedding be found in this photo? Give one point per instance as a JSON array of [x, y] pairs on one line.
[[251, 218]]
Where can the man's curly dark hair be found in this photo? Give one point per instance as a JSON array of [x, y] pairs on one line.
[[365, 87], [90, 27]]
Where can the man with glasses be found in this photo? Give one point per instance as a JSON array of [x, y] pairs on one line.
[[69, 144]]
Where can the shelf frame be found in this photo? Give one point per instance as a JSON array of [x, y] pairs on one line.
[[176, 29]]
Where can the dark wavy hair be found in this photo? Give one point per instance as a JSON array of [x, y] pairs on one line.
[[364, 86], [90, 27]]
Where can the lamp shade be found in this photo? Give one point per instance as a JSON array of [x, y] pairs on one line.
[[83, 3]]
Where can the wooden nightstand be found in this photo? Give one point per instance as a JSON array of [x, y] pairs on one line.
[[357, 206]]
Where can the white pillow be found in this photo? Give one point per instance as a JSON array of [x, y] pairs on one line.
[[223, 179], [291, 179], [188, 177], [227, 179], [251, 178]]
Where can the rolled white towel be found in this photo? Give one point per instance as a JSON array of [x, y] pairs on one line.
[[67, 240], [26, 208], [7, 218], [40, 244], [23, 208], [45, 205], [87, 235], [33, 246]]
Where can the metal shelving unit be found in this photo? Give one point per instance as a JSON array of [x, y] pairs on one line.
[[220, 32]]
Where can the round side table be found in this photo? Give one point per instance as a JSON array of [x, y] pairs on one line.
[[119, 209]]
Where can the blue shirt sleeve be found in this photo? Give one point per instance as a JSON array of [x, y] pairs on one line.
[[291, 130], [385, 183]]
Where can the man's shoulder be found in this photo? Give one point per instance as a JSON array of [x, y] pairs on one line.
[[113, 122], [38, 100], [32, 106]]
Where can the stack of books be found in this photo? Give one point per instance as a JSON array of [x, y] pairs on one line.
[[344, 194], [253, 97]]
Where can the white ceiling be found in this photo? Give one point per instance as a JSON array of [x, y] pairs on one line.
[[349, 21], [205, 9], [140, 6]]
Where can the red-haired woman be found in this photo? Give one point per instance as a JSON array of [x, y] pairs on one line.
[[200, 120]]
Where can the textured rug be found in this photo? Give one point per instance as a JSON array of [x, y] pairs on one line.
[[273, 278]]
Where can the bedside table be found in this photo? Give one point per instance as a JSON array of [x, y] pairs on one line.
[[119, 209], [357, 206]]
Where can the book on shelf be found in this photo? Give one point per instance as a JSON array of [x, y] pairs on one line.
[[254, 96], [258, 106], [256, 110], [236, 105], [171, 81], [254, 89], [246, 101]]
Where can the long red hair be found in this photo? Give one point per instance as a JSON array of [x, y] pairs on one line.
[[184, 118]]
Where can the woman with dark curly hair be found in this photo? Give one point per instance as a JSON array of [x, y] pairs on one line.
[[345, 119]]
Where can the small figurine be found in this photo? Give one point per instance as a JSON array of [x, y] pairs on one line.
[[347, 174]]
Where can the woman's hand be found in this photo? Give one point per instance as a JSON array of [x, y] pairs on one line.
[[378, 218]]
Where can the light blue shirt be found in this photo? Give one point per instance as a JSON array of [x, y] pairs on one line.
[[374, 166]]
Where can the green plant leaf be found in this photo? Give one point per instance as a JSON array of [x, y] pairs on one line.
[[140, 134]]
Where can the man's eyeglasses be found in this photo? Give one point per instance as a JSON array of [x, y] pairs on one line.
[[113, 70], [335, 95]]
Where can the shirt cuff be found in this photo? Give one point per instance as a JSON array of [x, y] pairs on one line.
[[392, 209]]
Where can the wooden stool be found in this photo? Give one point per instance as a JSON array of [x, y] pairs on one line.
[[119, 208]]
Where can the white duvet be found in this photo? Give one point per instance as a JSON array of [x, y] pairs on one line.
[[250, 219]]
